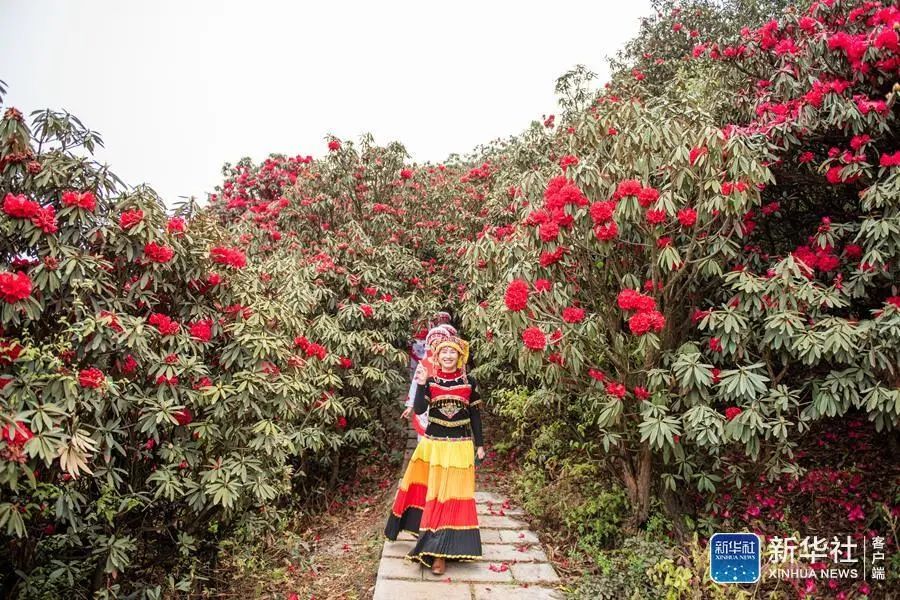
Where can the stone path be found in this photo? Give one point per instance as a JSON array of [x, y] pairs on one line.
[[513, 566]]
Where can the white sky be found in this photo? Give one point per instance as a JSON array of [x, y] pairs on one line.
[[177, 88]]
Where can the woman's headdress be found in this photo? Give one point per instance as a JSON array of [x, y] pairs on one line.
[[458, 344]]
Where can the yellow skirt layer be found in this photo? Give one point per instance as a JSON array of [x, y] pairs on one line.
[[445, 453]]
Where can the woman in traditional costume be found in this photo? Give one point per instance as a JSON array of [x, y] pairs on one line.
[[436, 498]]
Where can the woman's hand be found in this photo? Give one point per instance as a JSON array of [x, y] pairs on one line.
[[479, 451], [406, 412], [421, 375]]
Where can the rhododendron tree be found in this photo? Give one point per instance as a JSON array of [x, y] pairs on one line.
[[723, 272]]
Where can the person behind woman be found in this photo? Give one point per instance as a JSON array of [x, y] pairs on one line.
[[435, 335], [435, 500]]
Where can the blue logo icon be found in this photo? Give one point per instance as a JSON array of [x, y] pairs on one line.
[[734, 557]]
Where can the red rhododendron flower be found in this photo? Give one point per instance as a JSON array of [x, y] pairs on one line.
[[228, 256], [805, 157], [648, 196], [614, 388], [601, 212], [695, 154], [158, 253], [549, 231], [573, 314], [91, 378], [130, 218], [543, 285], [14, 287], [366, 309], [183, 416], [164, 324], [641, 393], [516, 295], [629, 299], [45, 219], [534, 338], [646, 320], [201, 330], [16, 434], [656, 217], [346, 363], [406, 173], [687, 217], [334, 145], [889, 160], [129, 364], [715, 344], [175, 225], [567, 161], [606, 232], [85, 200], [731, 412], [597, 374], [341, 422], [629, 187], [316, 350], [20, 207]]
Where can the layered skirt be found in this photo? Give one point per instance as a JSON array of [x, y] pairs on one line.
[[436, 501]]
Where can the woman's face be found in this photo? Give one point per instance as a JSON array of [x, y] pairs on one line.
[[447, 358]]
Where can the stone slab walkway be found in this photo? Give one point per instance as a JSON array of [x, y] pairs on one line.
[[513, 567]]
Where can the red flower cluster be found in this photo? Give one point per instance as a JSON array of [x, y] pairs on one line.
[[731, 412], [366, 310], [543, 285], [647, 318], [201, 330], [16, 434], [334, 145], [175, 225], [228, 256], [614, 388], [568, 161], [687, 217], [164, 324], [406, 173], [572, 314], [85, 200], [91, 378], [130, 218], [20, 207], [14, 287], [516, 295], [184, 416], [534, 338], [158, 253]]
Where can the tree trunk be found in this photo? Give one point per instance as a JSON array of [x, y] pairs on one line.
[[636, 473]]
